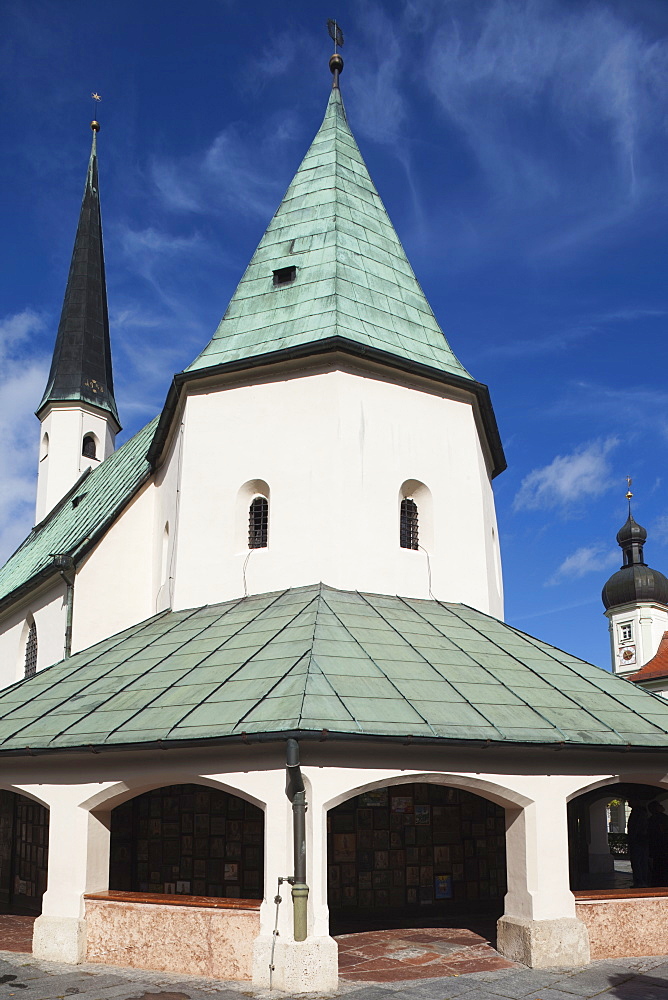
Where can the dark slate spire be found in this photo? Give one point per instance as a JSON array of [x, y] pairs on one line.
[[635, 581], [81, 366]]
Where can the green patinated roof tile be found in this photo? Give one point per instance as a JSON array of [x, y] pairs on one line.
[[360, 287], [82, 514], [117, 693]]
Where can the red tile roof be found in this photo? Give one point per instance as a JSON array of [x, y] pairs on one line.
[[656, 668]]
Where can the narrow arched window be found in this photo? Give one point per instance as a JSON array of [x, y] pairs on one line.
[[258, 523], [88, 449], [408, 524], [31, 651]]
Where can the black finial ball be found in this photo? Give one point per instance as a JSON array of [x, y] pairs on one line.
[[336, 63]]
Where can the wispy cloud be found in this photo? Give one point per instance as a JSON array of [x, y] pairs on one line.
[[235, 174], [568, 479], [546, 342], [586, 559], [501, 70]]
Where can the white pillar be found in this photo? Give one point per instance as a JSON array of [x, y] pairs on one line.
[[539, 927], [78, 863], [299, 966], [600, 858]]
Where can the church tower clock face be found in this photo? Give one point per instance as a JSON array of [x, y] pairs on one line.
[[627, 656]]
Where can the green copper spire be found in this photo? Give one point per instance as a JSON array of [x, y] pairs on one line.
[[81, 365], [330, 265]]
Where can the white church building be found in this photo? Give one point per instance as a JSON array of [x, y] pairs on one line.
[[276, 572]]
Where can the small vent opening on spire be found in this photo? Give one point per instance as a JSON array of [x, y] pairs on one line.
[[284, 276]]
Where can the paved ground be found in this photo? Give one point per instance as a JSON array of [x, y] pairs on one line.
[[632, 979], [419, 953]]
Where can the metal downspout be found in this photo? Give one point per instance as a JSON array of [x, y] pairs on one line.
[[66, 567], [296, 792]]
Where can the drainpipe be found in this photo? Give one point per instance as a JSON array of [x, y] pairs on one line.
[[67, 570], [296, 792]]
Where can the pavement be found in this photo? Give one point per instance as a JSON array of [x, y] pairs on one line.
[[625, 979]]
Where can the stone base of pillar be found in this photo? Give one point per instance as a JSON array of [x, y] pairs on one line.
[[310, 966], [601, 863], [541, 944], [59, 939]]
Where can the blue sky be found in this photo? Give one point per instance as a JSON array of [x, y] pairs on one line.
[[520, 148]]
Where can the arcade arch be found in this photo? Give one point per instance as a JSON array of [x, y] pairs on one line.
[[608, 852], [24, 853], [415, 853], [188, 839]]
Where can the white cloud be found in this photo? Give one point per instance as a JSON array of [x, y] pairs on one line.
[[586, 559], [22, 381], [15, 330], [568, 479]]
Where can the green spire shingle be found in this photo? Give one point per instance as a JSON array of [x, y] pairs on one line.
[[353, 279]]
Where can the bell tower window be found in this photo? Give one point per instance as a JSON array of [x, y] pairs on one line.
[[258, 523], [88, 449], [30, 668], [408, 524]]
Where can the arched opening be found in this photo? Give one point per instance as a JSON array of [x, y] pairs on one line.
[[89, 446], [416, 855], [44, 447], [24, 855], [188, 840], [618, 838], [252, 516], [416, 529], [30, 649]]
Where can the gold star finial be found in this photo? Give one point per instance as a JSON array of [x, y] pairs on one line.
[[96, 96], [628, 491]]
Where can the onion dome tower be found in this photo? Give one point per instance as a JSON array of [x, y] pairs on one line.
[[635, 600], [77, 414]]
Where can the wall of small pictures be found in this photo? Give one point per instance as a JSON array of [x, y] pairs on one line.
[[24, 849], [188, 840], [415, 845]]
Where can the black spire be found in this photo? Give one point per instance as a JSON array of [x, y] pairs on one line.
[[81, 365]]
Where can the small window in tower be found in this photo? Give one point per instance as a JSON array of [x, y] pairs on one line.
[[284, 275], [626, 631], [258, 523], [88, 450], [408, 524], [31, 651]]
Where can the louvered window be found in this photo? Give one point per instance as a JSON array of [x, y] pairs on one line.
[[408, 525], [31, 652], [284, 276], [258, 523]]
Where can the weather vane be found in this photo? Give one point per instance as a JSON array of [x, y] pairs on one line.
[[95, 97], [336, 61], [628, 492], [335, 33]]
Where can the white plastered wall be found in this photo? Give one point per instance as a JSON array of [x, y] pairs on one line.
[[61, 461], [334, 448], [114, 586], [648, 621], [47, 607]]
